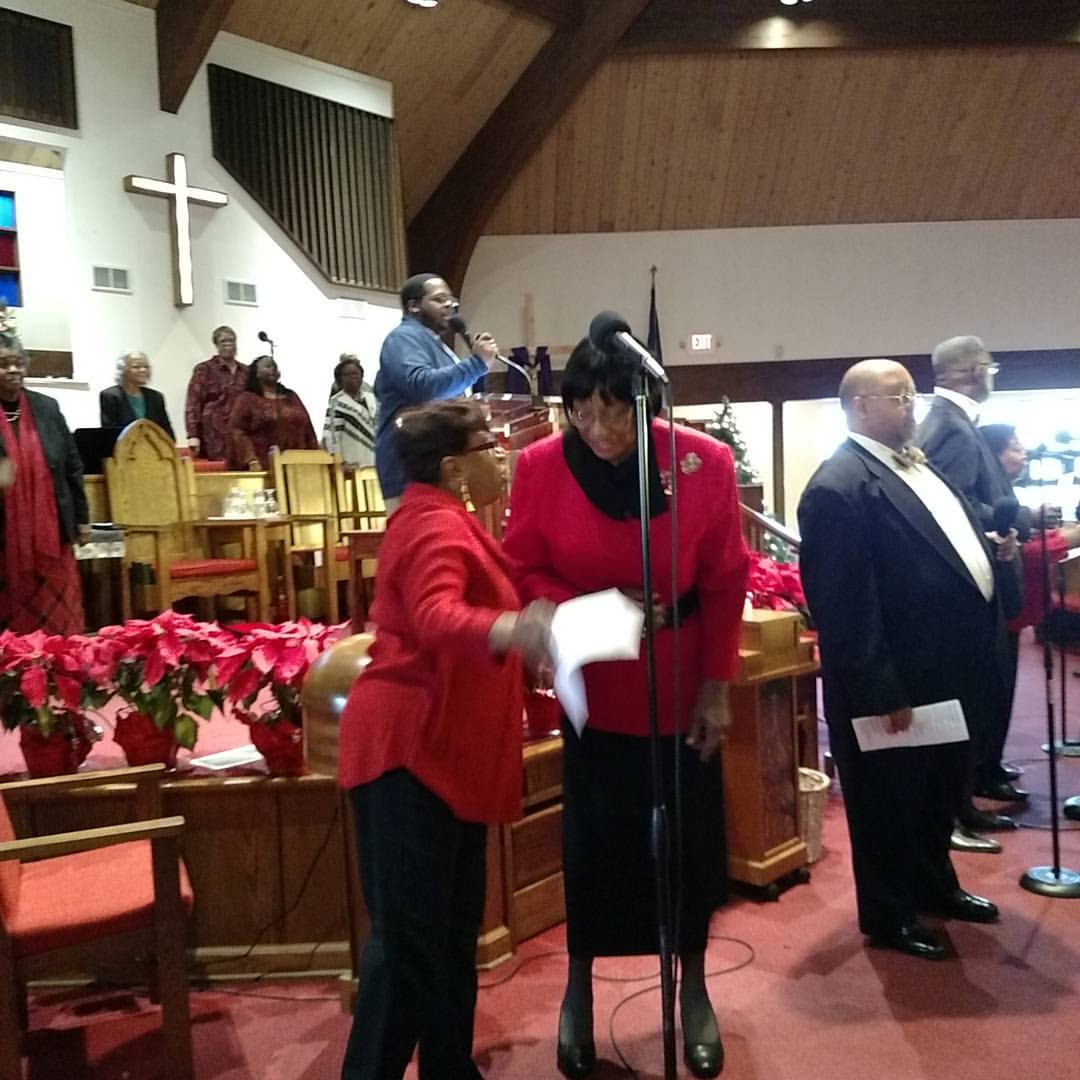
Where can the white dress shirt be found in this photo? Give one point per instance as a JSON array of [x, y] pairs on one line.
[[969, 405], [945, 507]]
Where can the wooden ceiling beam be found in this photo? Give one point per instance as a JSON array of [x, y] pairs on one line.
[[701, 25], [558, 12], [444, 231], [185, 31]]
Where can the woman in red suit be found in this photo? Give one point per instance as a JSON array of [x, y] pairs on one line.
[[431, 747], [575, 528]]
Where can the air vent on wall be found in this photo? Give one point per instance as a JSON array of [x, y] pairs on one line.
[[111, 279], [241, 292]]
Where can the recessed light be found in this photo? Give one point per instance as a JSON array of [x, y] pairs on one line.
[[433, 3]]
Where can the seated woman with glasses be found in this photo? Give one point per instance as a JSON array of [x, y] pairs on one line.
[[431, 746], [266, 415], [575, 528]]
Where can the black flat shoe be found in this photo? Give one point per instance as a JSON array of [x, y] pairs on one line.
[[575, 1060], [704, 1059], [915, 940], [1010, 772], [983, 821], [1002, 791], [966, 907]]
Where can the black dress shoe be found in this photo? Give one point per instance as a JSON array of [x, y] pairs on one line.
[[704, 1059], [915, 940], [966, 907], [1009, 771], [575, 1060], [984, 821], [1001, 791]]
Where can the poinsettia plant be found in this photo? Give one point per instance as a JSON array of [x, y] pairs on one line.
[[162, 668], [776, 586], [44, 680], [262, 671]]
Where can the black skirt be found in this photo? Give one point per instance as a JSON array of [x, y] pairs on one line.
[[608, 867]]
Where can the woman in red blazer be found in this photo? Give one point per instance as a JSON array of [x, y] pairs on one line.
[[431, 747], [589, 475]]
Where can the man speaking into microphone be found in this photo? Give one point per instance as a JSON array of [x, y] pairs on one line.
[[416, 366]]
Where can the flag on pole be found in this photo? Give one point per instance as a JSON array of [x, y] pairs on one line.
[[653, 342]]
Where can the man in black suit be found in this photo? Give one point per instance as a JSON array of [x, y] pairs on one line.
[[899, 579], [963, 379], [131, 399]]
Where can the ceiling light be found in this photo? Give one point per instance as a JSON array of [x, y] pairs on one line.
[[435, 3]]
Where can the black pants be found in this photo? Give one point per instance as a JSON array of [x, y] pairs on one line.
[[900, 805], [422, 872]]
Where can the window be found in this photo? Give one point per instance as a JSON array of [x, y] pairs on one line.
[[10, 286]]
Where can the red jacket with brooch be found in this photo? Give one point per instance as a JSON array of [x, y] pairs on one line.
[[560, 545], [434, 700]]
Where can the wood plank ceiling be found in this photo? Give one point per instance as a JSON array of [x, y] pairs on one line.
[[683, 139]]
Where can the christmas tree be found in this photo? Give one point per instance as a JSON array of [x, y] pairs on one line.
[[723, 427]]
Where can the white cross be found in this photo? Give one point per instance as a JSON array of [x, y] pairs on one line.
[[177, 191]]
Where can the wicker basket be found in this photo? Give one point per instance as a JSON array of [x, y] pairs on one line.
[[813, 788]]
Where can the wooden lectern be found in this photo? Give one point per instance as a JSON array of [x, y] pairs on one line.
[[774, 709]]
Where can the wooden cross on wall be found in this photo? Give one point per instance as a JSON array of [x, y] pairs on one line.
[[180, 195]]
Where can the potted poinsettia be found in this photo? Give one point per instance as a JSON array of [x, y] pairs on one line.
[[46, 694], [261, 674], [776, 586], [162, 670]]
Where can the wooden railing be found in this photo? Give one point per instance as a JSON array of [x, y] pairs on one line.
[[756, 525]]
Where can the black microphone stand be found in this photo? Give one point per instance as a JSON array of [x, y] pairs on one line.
[[1055, 880], [661, 846]]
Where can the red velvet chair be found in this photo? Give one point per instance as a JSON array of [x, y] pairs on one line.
[[82, 896]]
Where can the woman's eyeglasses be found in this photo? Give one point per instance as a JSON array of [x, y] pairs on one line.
[[492, 444], [613, 419]]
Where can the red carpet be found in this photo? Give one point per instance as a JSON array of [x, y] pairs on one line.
[[807, 1002]]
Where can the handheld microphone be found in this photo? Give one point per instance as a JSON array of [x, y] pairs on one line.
[[611, 333], [459, 326], [1006, 510]]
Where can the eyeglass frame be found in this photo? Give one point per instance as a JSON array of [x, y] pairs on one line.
[[903, 399], [493, 445], [625, 420]]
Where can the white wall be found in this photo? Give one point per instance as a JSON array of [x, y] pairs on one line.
[[793, 293], [122, 131]]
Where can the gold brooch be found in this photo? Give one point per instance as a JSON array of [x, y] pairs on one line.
[[690, 464]]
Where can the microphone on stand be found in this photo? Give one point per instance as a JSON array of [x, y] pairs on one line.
[[264, 336], [611, 333]]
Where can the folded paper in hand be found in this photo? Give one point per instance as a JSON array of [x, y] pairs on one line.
[[600, 626], [931, 725]]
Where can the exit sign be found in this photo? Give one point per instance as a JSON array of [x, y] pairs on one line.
[[701, 342]]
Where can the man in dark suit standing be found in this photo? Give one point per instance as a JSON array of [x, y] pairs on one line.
[[963, 379], [899, 579]]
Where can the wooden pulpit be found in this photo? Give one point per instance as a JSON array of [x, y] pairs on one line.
[[773, 703]]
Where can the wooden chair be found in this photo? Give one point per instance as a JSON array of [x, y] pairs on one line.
[[308, 488], [362, 517], [75, 899], [151, 494]]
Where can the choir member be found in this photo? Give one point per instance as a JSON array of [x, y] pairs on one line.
[[214, 387], [349, 430], [266, 415], [131, 399]]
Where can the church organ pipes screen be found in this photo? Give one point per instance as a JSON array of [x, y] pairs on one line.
[[325, 172], [37, 70]]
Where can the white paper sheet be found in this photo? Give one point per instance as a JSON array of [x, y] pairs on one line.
[[600, 626], [940, 722]]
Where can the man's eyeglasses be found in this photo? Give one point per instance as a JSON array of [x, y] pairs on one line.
[[990, 369], [904, 399]]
